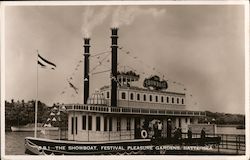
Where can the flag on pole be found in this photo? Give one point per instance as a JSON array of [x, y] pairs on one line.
[[44, 63]]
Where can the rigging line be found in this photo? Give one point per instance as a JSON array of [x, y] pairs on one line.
[[148, 66], [106, 67], [101, 72], [100, 63], [97, 54], [136, 58]]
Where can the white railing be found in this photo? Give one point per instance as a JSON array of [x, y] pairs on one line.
[[130, 110]]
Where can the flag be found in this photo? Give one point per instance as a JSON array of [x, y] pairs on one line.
[[42, 65], [74, 87], [44, 62]]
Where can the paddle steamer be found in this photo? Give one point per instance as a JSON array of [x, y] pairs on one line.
[[120, 117]]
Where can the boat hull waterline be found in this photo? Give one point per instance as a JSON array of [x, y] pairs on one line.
[[40, 146]]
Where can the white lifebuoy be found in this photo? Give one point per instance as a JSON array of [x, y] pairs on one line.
[[144, 134]]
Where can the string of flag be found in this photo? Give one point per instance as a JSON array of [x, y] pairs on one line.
[[95, 58], [128, 54], [102, 60]]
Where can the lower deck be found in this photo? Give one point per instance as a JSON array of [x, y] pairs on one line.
[[90, 126]]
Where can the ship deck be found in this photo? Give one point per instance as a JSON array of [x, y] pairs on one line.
[[131, 110]]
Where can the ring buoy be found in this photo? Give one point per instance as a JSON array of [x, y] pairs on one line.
[[144, 134]]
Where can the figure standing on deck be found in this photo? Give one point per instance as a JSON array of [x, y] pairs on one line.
[[189, 133], [155, 127], [203, 136], [179, 132], [159, 127], [138, 131]]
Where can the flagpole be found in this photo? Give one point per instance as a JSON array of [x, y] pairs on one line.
[[36, 106]]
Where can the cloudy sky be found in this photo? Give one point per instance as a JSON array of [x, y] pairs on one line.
[[199, 48]]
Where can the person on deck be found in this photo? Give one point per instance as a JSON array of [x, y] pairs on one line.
[[203, 136], [138, 131], [189, 135], [179, 132], [159, 129], [155, 126]]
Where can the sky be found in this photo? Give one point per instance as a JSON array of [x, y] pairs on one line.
[[194, 47]]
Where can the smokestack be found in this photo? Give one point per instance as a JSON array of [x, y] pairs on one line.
[[86, 70], [114, 47]]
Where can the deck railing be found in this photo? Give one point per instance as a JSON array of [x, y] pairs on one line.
[[230, 143], [131, 110]]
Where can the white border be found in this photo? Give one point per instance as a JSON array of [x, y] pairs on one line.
[[247, 67], [145, 157], [2, 9], [163, 2]]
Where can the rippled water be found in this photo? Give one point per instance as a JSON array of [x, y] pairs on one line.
[[15, 140], [230, 130]]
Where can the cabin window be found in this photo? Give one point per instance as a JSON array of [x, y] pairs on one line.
[[98, 123], [144, 97], [182, 101], [90, 122], [191, 120], [172, 99], [150, 98], [72, 125], [180, 122], [118, 124], [131, 96], [107, 95], [128, 124], [167, 99], [83, 122], [156, 98], [162, 99], [110, 124], [105, 123], [138, 97], [123, 95], [177, 100], [76, 125]]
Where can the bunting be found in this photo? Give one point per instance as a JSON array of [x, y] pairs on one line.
[[74, 87]]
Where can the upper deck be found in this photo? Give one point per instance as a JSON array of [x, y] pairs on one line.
[[145, 98]]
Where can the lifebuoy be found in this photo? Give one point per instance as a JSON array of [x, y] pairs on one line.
[[144, 134]]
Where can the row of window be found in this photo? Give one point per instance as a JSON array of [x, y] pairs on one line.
[[106, 122], [156, 99]]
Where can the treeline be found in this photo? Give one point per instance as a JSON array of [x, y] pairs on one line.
[[223, 118], [22, 113]]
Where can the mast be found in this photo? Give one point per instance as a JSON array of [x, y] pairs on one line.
[[36, 105]]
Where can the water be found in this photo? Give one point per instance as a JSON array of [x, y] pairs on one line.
[[15, 140], [230, 130]]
